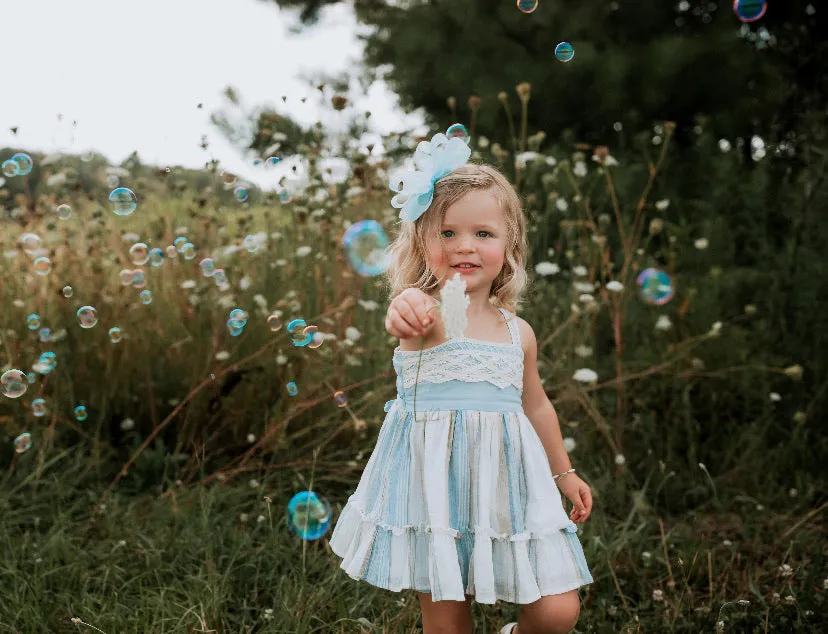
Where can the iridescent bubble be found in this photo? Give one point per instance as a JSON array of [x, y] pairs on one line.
[[81, 414], [10, 168], [113, 181], [31, 243], [87, 316], [274, 323], [139, 278], [241, 194], [234, 327], [292, 389], [179, 243], [316, 337], [188, 251], [45, 335], [146, 297], [171, 251], [309, 516], [366, 244], [68, 291], [23, 442], [24, 163], [750, 10], [139, 253], [115, 335], [340, 399], [527, 6], [33, 321], [46, 363], [220, 277], [43, 266], [31, 377], [238, 315], [207, 266], [13, 383], [655, 286], [125, 276], [123, 201], [258, 162], [272, 161], [564, 52], [251, 243], [459, 131], [39, 407], [285, 196], [64, 212], [296, 330], [156, 257], [228, 178]]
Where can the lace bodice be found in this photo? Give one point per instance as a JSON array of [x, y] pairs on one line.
[[464, 359]]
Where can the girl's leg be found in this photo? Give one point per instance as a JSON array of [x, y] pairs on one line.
[[552, 614], [445, 617]]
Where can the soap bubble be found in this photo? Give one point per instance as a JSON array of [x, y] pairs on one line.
[[68, 291], [156, 257], [750, 10], [188, 250], [292, 389], [309, 516], [220, 277], [171, 251], [14, 384], [258, 162], [316, 337], [241, 194], [45, 335], [272, 161], [24, 163], [43, 266], [655, 286], [527, 6], [340, 399], [10, 168], [146, 297], [238, 315], [46, 363], [208, 267], [139, 253], [115, 335], [227, 177], [296, 330], [64, 212], [113, 181], [459, 131], [23, 443], [87, 316], [274, 323], [139, 278], [123, 201], [564, 52], [234, 327], [33, 321], [39, 407], [285, 196], [365, 242], [81, 414], [31, 243], [251, 243]]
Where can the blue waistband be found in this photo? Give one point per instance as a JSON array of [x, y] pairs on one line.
[[479, 396]]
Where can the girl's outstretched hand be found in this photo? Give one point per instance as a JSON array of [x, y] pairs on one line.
[[408, 315], [576, 491]]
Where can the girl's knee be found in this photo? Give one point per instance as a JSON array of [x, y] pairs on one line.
[[552, 614]]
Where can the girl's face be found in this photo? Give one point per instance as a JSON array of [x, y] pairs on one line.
[[473, 231]]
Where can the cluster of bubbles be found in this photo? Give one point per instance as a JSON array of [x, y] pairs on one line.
[[750, 10], [302, 335], [655, 286], [308, 515], [20, 164], [236, 322]]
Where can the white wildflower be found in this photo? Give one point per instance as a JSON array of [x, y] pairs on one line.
[[615, 286], [715, 328], [19, 303], [369, 305], [281, 359], [794, 371], [569, 444], [701, 244], [775, 397], [620, 459], [303, 251], [352, 334], [251, 438], [222, 355], [663, 323], [583, 287], [583, 351], [586, 298], [524, 157], [561, 204], [130, 237], [662, 204], [260, 519], [127, 424], [260, 300], [551, 161], [580, 169], [547, 268], [579, 270], [658, 595], [724, 145], [188, 284], [585, 375], [244, 283], [453, 306]]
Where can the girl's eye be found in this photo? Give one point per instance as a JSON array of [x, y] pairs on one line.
[[488, 234]]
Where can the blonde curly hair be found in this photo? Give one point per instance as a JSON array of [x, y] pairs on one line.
[[408, 262]]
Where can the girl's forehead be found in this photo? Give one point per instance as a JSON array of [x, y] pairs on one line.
[[476, 207]]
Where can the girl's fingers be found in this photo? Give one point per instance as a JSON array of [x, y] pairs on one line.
[[400, 328]]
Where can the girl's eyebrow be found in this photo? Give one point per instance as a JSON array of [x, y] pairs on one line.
[[484, 226]]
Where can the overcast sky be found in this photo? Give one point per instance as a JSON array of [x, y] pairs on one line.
[[131, 73]]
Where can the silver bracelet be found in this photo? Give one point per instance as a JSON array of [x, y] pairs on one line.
[[555, 477]]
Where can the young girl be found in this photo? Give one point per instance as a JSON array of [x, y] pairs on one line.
[[460, 499]]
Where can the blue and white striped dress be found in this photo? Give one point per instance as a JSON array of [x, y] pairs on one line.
[[460, 501]]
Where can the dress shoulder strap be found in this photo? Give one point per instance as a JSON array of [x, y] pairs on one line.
[[511, 322]]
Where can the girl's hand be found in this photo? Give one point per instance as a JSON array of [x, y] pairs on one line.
[[576, 491], [408, 315]]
